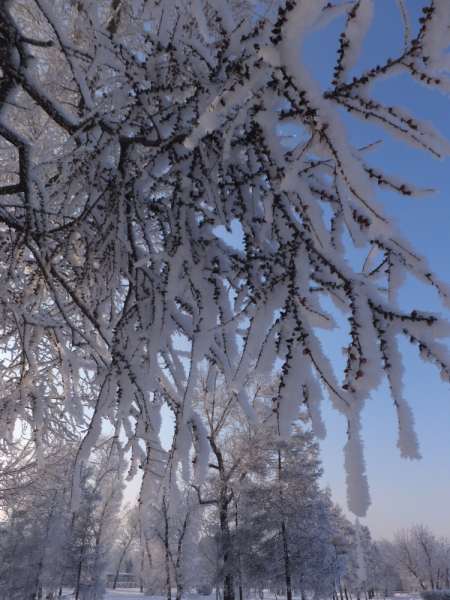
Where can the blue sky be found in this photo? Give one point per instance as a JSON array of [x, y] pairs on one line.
[[403, 492]]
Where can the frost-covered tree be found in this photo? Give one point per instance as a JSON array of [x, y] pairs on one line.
[[230, 438], [388, 577], [422, 559], [92, 528], [44, 545], [286, 528], [34, 506], [172, 540], [133, 135], [262, 496], [364, 564], [125, 538]]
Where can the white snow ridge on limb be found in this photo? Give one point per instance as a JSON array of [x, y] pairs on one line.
[[131, 136]]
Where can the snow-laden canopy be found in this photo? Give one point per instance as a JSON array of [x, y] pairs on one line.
[[133, 134]]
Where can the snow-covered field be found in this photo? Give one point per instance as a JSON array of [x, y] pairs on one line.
[[134, 594], [124, 594]]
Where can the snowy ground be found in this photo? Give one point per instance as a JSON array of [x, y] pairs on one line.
[[134, 594], [124, 594]]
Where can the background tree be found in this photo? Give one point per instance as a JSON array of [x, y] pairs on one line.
[[126, 536], [388, 577], [172, 545], [45, 544], [35, 508], [230, 437], [287, 519], [262, 495], [422, 559]]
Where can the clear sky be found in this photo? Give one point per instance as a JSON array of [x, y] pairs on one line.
[[403, 492]]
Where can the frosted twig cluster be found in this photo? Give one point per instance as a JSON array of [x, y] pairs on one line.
[[132, 133]]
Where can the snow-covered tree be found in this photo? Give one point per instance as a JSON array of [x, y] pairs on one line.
[[126, 536], [34, 505], [262, 496], [44, 544], [86, 557], [344, 545], [361, 574], [422, 559], [230, 438], [388, 577], [364, 564], [286, 527], [134, 135], [172, 540]]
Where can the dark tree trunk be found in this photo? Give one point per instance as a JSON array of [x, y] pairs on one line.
[[224, 500], [38, 587], [77, 587], [239, 557], [287, 562], [120, 563], [167, 549], [228, 580], [180, 585]]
